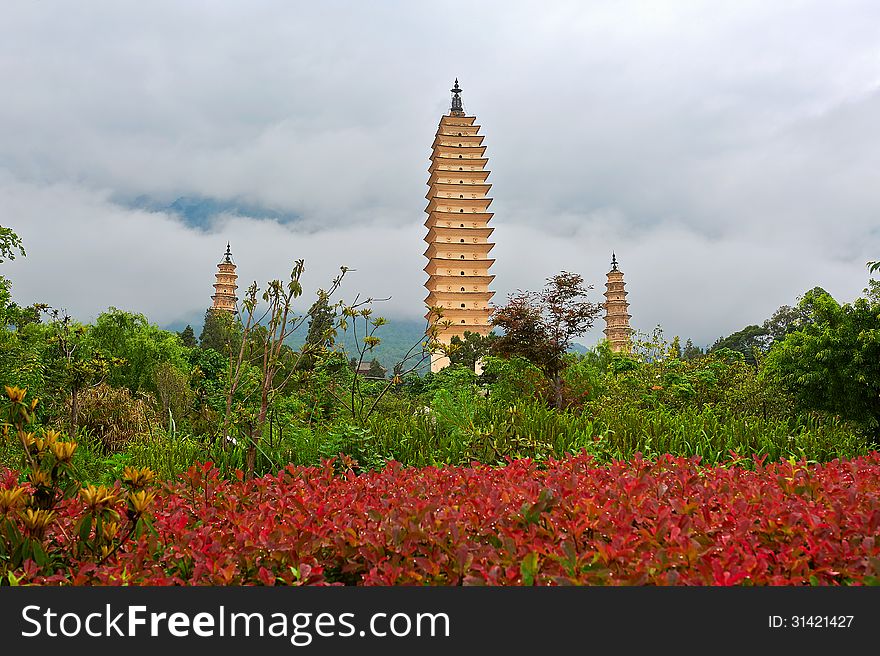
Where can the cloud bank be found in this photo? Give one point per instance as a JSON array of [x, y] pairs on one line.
[[728, 154]]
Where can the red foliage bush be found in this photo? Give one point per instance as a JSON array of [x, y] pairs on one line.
[[664, 522]]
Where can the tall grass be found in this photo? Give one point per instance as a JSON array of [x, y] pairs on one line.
[[463, 427], [712, 434], [170, 456]]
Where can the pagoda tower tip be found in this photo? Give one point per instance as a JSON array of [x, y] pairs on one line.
[[456, 109]]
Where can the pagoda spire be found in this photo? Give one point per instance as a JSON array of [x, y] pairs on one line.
[[456, 109], [458, 230], [617, 329], [225, 285]]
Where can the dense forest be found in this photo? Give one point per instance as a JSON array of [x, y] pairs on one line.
[[149, 407]]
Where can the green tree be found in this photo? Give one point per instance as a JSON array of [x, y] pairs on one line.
[[139, 346], [26, 358], [509, 380], [221, 331], [9, 311], [173, 393], [74, 363], [788, 319], [675, 348], [208, 383], [691, 352], [785, 319], [23, 342], [376, 369], [9, 243], [754, 341], [749, 341], [21, 349], [832, 363], [539, 326], [470, 350], [188, 337]]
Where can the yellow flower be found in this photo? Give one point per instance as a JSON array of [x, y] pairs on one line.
[[36, 521], [63, 451], [15, 394], [138, 477], [98, 496], [111, 530], [140, 501], [28, 440], [50, 437], [12, 498], [40, 478]]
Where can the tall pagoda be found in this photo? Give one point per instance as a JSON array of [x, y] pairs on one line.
[[224, 288], [458, 229], [617, 330]]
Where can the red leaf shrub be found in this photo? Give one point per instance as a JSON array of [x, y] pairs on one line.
[[664, 522]]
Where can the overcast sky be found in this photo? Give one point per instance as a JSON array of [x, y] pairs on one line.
[[729, 152]]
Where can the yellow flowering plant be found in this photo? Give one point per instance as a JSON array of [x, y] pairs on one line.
[[111, 516]]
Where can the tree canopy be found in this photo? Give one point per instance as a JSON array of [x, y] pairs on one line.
[[469, 350], [832, 362], [754, 339], [539, 326], [140, 346], [9, 244]]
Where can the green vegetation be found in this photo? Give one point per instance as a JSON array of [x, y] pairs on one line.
[[805, 385]]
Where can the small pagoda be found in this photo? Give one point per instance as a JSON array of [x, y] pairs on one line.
[[458, 229], [224, 288], [617, 330]]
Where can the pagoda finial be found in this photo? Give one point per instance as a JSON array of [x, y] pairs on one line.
[[228, 252], [456, 109], [613, 261]]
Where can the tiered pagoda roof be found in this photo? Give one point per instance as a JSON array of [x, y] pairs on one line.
[[224, 288], [617, 329], [458, 228]]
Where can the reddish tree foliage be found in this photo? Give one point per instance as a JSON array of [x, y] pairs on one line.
[[669, 522], [539, 326]]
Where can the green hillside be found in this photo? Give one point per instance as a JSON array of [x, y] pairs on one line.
[[398, 336]]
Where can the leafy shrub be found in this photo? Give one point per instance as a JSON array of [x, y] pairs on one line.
[[671, 521], [514, 380], [715, 380], [114, 416]]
